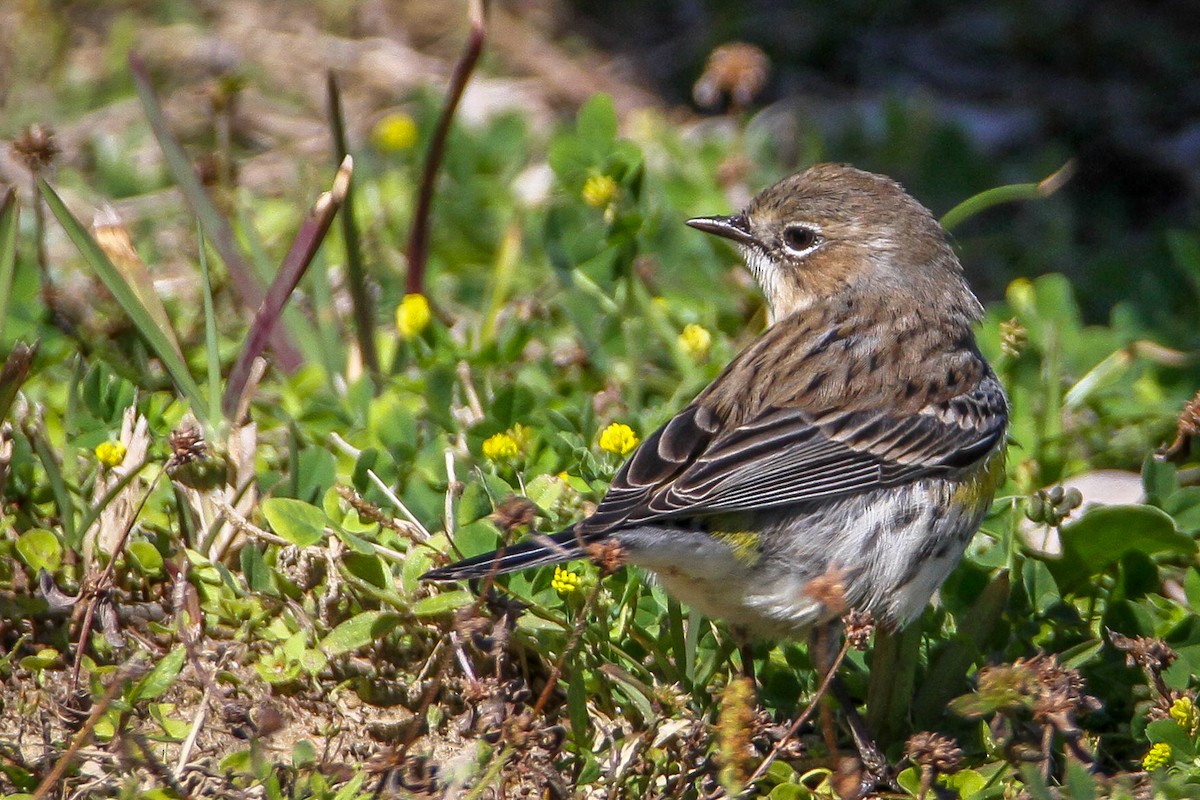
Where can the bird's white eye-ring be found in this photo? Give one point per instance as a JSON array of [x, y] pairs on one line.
[[800, 239]]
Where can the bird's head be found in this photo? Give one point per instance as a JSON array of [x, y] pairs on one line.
[[832, 229]]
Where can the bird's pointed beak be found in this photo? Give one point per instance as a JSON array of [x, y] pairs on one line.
[[736, 228]]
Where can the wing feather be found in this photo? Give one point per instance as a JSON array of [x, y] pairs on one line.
[[787, 455]]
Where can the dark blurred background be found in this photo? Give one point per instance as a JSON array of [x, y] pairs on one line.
[[1006, 91]]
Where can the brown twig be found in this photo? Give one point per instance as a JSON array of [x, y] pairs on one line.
[[304, 247], [418, 238], [800, 720], [572, 643], [98, 588], [85, 732]]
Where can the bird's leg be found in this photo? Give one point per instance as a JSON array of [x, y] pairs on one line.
[[821, 651]]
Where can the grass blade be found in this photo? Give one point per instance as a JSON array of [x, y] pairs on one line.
[[1007, 194], [294, 265], [212, 353], [356, 274], [9, 211], [418, 237], [128, 300], [245, 283]]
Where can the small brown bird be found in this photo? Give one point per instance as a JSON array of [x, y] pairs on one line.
[[846, 457]]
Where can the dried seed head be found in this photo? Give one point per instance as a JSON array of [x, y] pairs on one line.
[[187, 444], [940, 753], [1152, 655], [737, 70], [859, 626], [608, 556], [1188, 429], [36, 147], [829, 590], [514, 512], [733, 732], [1013, 337]]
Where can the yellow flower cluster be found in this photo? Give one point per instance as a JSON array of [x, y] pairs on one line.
[[110, 454], [394, 133], [695, 340], [599, 191], [509, 445], [501, 447], [1183, 711], [1159, 756], [412, 316], [565, 582], [618, 438]]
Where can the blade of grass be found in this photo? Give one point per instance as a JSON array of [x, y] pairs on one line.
[[212, 354], [128, 300], [1007, 194], [36, 435], [9, 211], [418, 237], [356, 274], [245, 283], [295, 264]]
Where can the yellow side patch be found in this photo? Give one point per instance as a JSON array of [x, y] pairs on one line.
[[744, 544], [981, 486]]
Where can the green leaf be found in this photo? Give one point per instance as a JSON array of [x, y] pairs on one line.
[[358, 631], [255, 570], [442, 603], [350, 790], [303, 754], [1169, 732], [299, 522], [597, 122], [1104, 534], [40, 549], [128, 299], [147, 558], [160, 678]]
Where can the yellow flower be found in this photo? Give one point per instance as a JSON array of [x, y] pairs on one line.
[[394, 133], [1183, 711], [110, 454], [565, 582], [618, 438], [501, 447], [1159, 756], [412, 316], [599, 191], [695, 340]]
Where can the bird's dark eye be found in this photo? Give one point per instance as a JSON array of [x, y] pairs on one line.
[[799, 238]]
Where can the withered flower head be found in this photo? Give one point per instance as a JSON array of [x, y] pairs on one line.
[[514, 512], [1188, 429], [36, 147], [859, 626], [829, 589], [737, 70], [940, 753], [187, 444], [608, 556], [1153, 655]]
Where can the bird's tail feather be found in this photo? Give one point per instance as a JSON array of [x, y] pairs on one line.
[[537, 551]]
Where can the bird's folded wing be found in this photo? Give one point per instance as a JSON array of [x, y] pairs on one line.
[[782, 456]]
